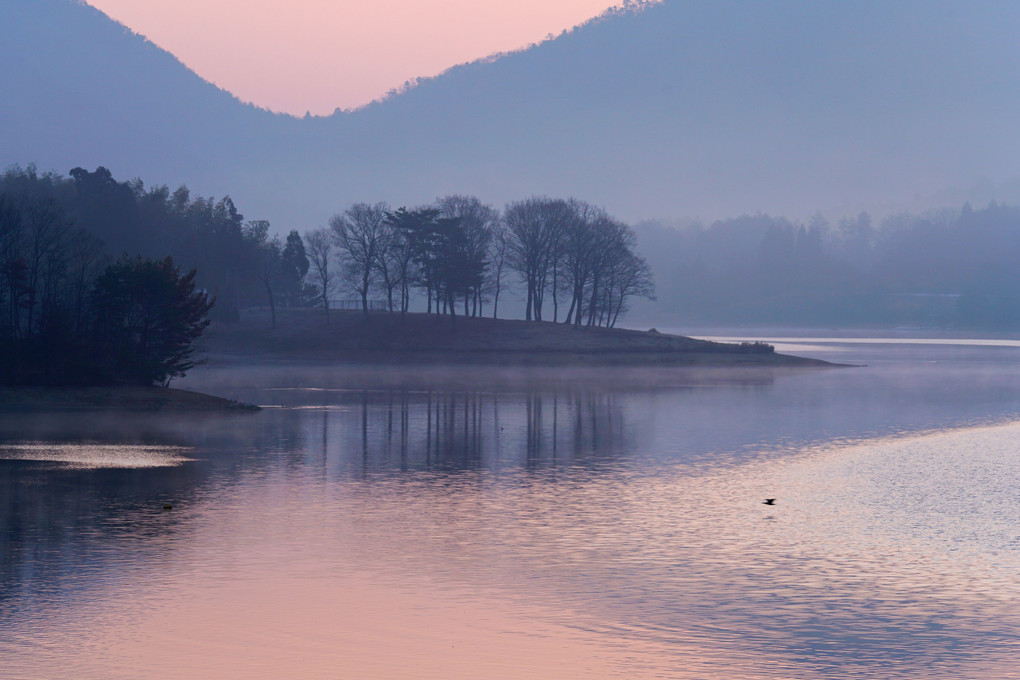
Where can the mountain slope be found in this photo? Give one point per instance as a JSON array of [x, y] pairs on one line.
[[682, 108], [81, 89]]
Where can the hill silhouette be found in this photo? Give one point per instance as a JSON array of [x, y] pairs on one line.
[[680, 108]]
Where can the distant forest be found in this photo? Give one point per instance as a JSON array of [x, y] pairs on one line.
[[948, 269]]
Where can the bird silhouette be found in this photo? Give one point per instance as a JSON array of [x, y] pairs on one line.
[[769, 501]]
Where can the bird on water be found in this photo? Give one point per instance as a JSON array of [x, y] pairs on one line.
[[769, 501]]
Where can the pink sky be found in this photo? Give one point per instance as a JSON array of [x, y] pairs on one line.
[[317, 55]]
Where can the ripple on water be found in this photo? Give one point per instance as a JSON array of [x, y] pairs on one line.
[[620, 572]]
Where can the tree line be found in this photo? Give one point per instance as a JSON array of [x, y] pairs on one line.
[[945, 268], [456, 255], [459, 253], [75, 249]]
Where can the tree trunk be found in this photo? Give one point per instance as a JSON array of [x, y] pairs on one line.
[[594, 303], [573, 304], [272, 303], [556, 306], [527, 312]]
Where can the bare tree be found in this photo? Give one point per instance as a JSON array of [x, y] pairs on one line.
[[478, 222], [535, 227], [85, 262], [360, 233], [631, 277], [579, 254], [46, 230], [609, 238], [404, 230], [13, 280], [320, 257], [266, 253], [392, 262], [498, 252]]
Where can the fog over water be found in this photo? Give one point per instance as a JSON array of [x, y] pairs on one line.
[[530, 523]]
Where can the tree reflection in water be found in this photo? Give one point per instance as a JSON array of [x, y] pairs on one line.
[[406, 430]]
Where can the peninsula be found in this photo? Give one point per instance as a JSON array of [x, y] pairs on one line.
[[416, 338]]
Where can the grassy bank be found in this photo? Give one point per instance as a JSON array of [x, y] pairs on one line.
[[380, 337], [115, 398]]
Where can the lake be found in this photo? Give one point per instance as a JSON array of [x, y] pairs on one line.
[[531, 523]]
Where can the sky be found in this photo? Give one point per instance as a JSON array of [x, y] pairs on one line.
[[299, 56]]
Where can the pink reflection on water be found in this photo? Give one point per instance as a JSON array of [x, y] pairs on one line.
[[569, 575]]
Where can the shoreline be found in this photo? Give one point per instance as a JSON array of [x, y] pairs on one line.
[[415, 343], [128, 398], [416, 339], [410, 359]]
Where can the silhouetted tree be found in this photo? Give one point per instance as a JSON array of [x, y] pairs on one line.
[[359, 234], [320, 257], [147, 319], [534, 226], [416, 234], [85, 263], [403, 230], [498, 251], [478, 223], [630, 277], [392, 261], [581, 247], [266, 265], [293, 269], [613, 241], [45, 233]]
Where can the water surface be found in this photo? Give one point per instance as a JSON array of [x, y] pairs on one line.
[[530, 523]]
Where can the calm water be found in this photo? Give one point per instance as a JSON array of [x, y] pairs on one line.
[[530, 524]]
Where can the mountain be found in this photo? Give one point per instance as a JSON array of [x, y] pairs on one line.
[[81, 89], [679, 108]]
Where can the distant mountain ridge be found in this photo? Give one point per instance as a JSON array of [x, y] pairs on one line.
[[682, 108], [88, 91]]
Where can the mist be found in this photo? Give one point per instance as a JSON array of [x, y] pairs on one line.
[[947, 269]]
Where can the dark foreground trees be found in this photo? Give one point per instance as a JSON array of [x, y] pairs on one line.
[[136, 322], [147, 317], [128, 217], [70, 316]]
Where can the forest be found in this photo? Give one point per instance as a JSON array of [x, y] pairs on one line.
[[946, 269], [93, 267]]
